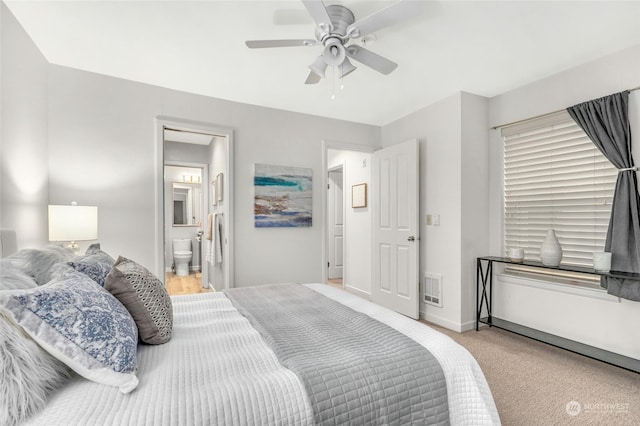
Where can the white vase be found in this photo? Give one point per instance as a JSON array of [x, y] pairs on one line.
[[551, 251]]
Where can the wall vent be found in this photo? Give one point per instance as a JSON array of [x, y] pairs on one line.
[[432, 289]]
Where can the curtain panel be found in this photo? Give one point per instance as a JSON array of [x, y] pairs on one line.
[[606, 122]]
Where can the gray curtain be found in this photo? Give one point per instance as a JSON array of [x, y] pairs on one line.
[[606, 122]]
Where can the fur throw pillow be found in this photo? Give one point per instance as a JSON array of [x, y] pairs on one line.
[[28, 374], [13, 278], [38, 262]]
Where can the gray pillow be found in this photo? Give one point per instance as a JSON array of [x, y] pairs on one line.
[[145, 297], [28, 374]]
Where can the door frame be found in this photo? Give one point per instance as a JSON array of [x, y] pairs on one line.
[[162, 122], [341, 146]]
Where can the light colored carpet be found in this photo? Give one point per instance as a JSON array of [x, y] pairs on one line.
[[533, 383]]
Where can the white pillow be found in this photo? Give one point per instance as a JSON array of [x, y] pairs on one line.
[[82, 325]]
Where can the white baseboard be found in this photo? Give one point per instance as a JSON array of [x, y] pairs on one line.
[[469, 325], [443, 322]]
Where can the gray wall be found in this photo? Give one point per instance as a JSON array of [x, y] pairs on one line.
[[24, 140], [453, 184], [103, 151]]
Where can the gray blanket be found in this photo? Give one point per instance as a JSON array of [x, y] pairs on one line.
[[356, 370]]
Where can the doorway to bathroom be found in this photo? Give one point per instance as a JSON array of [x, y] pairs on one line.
[[195, 207], [185, 207]]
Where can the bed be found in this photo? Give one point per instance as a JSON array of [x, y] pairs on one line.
[[243, 357]]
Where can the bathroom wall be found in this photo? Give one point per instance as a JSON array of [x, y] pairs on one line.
[[218, 166], [185, 152]]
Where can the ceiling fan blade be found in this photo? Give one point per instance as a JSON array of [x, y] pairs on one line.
[[259, 44], [319, 14], [312, 78], [370, 59], [390, 15]]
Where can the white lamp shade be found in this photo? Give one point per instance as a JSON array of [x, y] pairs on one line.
[[334, 52], [346, 68], [319, 66], [73, 223]]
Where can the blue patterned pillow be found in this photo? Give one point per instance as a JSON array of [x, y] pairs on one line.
[[96, 266], [82, 325]]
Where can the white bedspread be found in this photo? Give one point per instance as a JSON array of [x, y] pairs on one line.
[[217, 370]]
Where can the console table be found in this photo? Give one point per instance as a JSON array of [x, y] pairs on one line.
[[484, 298]]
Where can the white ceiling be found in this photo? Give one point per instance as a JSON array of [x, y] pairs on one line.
[[482, 47]]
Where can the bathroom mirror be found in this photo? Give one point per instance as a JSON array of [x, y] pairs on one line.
[[187, 203]]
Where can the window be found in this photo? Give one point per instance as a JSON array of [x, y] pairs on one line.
[[556, 178]]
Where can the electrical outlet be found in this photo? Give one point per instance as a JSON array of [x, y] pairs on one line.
[[436, 220]]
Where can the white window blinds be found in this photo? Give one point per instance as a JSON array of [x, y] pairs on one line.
[[556, 178]]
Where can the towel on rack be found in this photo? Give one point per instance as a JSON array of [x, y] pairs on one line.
[[209, 234], [219, 230], [208, 252]]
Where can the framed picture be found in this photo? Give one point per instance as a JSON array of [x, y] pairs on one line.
[[282, 196], [359, 195], [219, 188]]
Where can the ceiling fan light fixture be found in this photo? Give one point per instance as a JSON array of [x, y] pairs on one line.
[[336, 26], [319, 66], [334, 53], [346, 68]]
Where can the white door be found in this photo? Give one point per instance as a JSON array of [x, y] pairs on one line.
[[336, 214], [395, 228]]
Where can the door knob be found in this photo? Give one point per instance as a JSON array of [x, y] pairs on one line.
[[411, 238]]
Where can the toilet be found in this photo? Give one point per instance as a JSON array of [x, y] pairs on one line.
[[182, 256]]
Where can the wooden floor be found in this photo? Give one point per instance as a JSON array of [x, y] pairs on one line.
[[337, 282], [193, 283], [190, 284]]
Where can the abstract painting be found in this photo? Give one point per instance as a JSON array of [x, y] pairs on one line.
[[283, 196]]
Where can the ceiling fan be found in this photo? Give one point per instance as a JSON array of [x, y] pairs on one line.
[[335, 27]]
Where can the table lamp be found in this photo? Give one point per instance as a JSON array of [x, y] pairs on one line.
[[73, 223]]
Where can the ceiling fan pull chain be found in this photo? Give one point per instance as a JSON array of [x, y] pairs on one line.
[[333, 83]]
